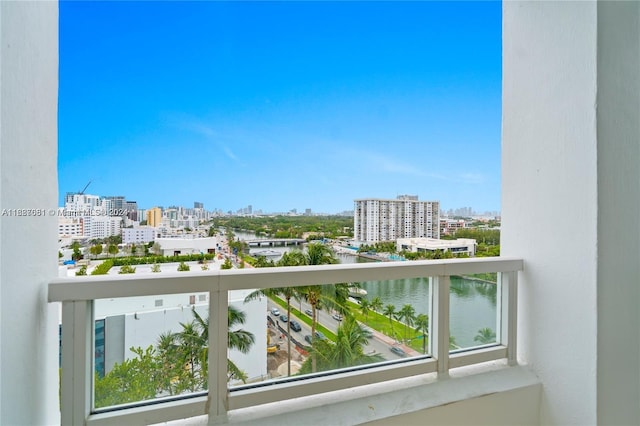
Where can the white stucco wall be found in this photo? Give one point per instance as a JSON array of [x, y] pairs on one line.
[[570, 145], [28, 179], [549, 142], [618, 212]]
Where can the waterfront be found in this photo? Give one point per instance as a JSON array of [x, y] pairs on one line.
[[473, 303]]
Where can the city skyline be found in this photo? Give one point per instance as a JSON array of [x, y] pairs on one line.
[[289, 105]]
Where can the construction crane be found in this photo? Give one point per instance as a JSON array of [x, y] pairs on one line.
[[85, 188]]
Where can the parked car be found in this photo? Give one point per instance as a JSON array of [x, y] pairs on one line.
[[308, 312], [398, 351], [275, 312], [295, 325], [337, 317], [318, 335], [284, 318]]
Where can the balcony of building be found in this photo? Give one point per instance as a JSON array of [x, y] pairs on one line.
[[571, 102]]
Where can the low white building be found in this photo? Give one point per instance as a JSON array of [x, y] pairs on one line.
[[459, 246], [181, 246], [141, 234]]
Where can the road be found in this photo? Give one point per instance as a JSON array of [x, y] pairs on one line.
[[375, 345]]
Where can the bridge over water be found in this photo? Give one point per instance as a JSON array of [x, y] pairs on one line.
[[276, 242]]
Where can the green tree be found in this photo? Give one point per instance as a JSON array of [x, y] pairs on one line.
[[317, 254], [407, 314], [364, 308], [347, 351], [96, 250], [114, 239], [485, 336], [390, 311], [77, 254], [422, 327], [82, 270], [227, 264], [293, 258], [376, 304], [182, 267], [132, 380], [452, 343], [113, 249]]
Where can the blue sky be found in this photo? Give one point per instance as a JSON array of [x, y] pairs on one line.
[[281, 105]]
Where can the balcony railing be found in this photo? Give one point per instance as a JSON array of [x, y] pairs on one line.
[[78, 295]]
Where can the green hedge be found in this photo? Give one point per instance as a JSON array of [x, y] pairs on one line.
[[132, 260], [103, 268]]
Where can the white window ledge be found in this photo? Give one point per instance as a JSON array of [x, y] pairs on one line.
[[384, 401]]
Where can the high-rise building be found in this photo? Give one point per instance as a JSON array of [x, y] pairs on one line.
[[131, 210], [154, 216], [198, 205], [376, 219], [116, 204]]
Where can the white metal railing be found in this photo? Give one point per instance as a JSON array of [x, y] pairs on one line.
[[77, 296]]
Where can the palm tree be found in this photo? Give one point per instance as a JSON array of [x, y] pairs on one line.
[[390, 311], [422, 326], [317, 254], [320, 254], [172, 376], [347, 351], [194, 346], [287, 293], [364, 308], [376, 304], [485, 336], [452, 343], [407, 314], [191, 345]]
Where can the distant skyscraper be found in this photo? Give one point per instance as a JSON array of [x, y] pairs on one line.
[[197, 205], [131, 210], [116, 204], [388, 219], [154, 216]]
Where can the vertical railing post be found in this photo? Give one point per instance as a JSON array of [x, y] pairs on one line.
[[77, 345], [218, 337], [440, 323], [509, 314]]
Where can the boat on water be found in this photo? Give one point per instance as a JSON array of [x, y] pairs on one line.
[[357, 293], [265, 253]]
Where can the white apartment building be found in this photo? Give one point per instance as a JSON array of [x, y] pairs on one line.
[[141, 234], [376, 219], [102, 226], [70, 227], [459, 246]]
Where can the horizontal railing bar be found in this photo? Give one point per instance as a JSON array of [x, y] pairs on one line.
[[145, 415], [316, 385], [130, 285], [477, 356]]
